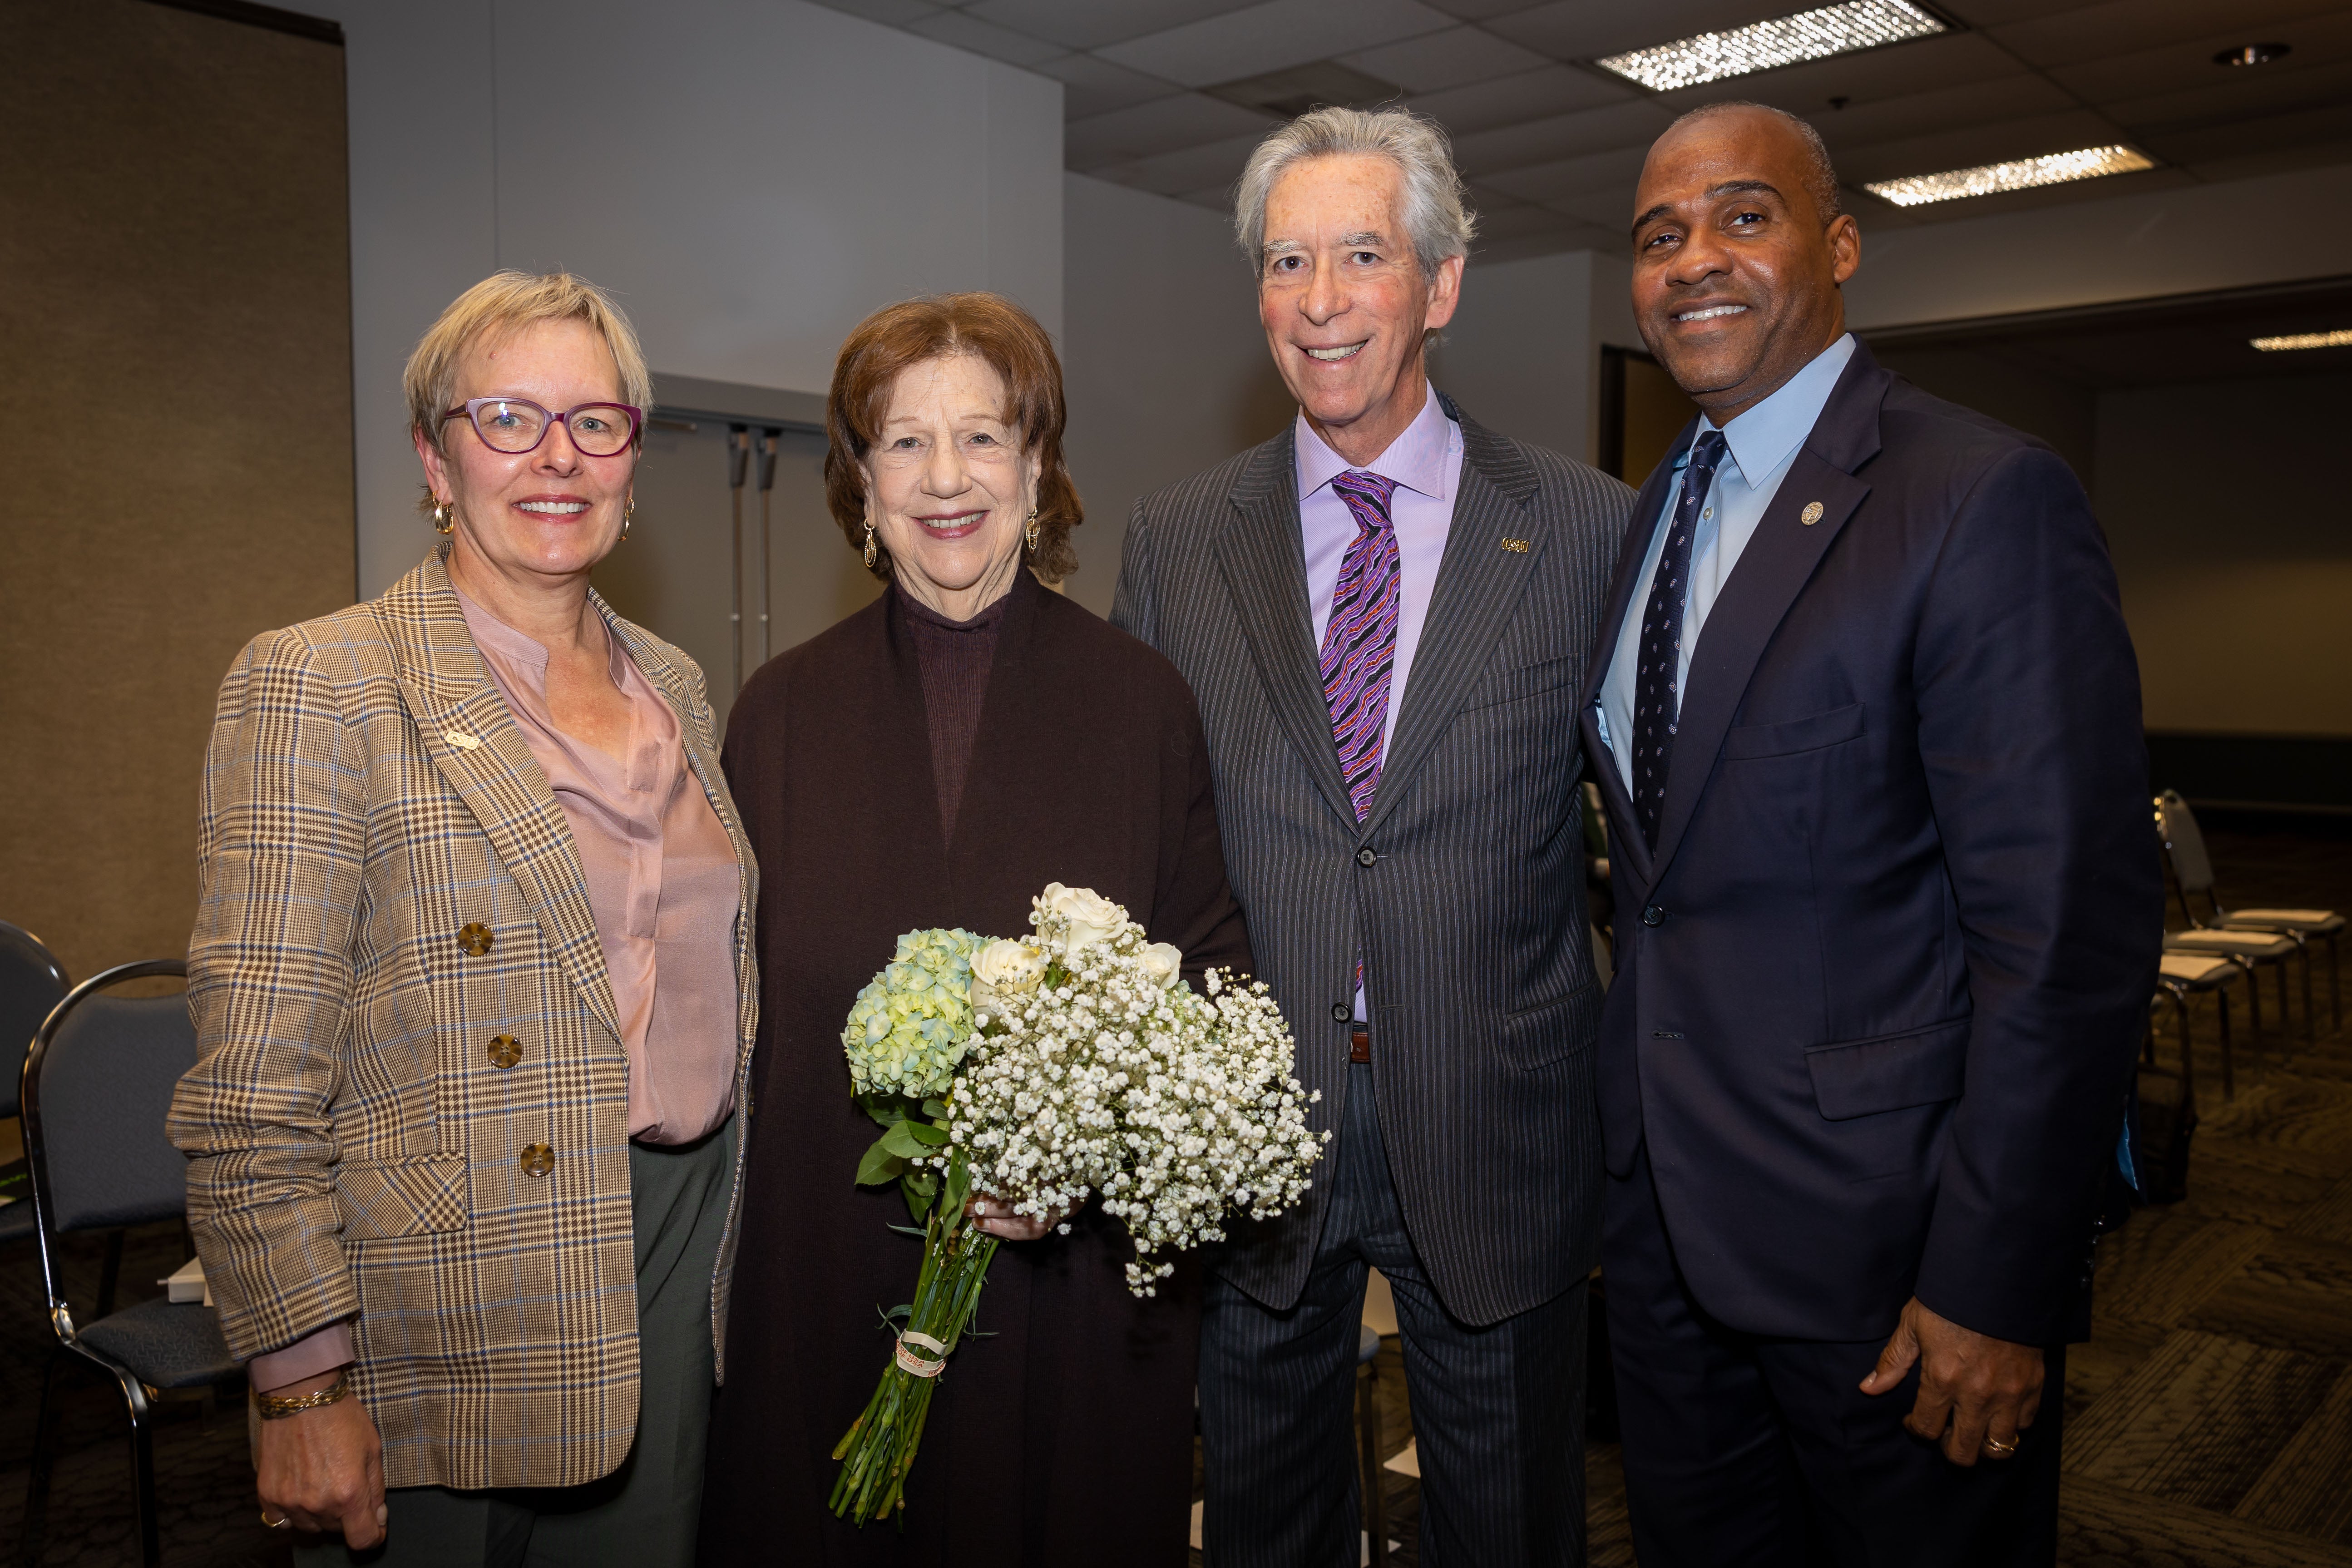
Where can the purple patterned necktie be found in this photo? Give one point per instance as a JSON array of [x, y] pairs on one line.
[[1360, 644]]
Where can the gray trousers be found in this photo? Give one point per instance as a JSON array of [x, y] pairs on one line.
[[643, 1515], [1497, 1411]]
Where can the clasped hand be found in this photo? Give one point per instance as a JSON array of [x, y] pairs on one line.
[[1975, 1392], [995, 1217], [322, 1469]]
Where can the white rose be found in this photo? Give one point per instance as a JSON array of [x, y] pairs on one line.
[[1005, 966], [1092, 917], [1162, 959]]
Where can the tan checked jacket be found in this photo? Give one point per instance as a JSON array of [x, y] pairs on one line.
[[354, 1150]]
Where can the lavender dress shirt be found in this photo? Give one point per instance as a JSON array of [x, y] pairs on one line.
[[1425, 462]]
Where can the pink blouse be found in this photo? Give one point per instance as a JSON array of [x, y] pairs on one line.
[[664, 887]]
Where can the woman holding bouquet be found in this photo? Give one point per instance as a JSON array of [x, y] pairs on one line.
[[934, 761]]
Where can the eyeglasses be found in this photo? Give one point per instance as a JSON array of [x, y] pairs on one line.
[[517, 424]]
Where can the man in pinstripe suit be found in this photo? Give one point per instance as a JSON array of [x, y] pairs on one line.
[[1385, 612]]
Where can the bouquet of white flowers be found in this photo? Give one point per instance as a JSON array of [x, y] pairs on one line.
[[1046, 1070]]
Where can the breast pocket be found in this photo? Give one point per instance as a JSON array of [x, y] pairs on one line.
[[1813, 732], [1527, 681], [1890, 1072]]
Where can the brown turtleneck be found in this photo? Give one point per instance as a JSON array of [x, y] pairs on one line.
[[954, 657]]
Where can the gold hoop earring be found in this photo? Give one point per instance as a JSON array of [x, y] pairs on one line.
[[445, 515], [628, 513], [1031, 532], [869, 544]]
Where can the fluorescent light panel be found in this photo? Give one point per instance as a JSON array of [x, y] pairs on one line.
[[2018, 174], [2340, 338], [1766, 46]]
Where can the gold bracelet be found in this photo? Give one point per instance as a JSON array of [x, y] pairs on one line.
[[273, 1408]]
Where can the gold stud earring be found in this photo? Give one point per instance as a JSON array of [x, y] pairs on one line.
[[869, 544], [1031, 532], [444, 514], [628, 513]]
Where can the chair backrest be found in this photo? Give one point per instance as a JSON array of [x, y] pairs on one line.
[[2177, 826], [97, 1089], [32, 982]]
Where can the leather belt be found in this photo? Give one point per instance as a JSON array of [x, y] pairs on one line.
[[1359, 1044]]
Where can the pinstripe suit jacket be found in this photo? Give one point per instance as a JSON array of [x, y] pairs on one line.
[[1464, 886], [353, 1149]]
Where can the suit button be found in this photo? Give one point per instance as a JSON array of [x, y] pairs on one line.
[[1654, 916], [505, 1050], [1339, 1012], [476, 938], [1365, 856], [537, 1159]]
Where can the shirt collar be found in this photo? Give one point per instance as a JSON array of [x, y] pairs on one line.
[[1416, 460], [1763, 438]]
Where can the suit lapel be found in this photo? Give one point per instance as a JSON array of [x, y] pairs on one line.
[[1627, 843], [450, 693], [1479, 583], [1772, 571], [1264, 561]]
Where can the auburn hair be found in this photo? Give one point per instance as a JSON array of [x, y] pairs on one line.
[[940, 326]]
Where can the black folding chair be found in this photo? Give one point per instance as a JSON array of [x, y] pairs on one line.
[[2192, 876], [2183, 856], [32, 982], [97, 1086]]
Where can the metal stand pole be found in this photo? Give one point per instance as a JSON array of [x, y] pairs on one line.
[[739, 463], [767, 440]]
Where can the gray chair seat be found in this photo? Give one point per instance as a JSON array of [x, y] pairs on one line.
[[166, 1344], [2316, 922], [2244, 943]]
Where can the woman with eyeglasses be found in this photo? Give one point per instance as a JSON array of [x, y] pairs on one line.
[[473, 988]]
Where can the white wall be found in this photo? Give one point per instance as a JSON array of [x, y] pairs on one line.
[[1522, 353], [776, 172], [1166, 369]]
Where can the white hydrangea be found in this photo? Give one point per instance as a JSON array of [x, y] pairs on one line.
[[1108, 1079]]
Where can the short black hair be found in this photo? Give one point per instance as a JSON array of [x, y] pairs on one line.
[[1821, 177]]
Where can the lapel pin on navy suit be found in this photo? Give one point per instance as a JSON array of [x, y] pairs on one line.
[[1812, 514]]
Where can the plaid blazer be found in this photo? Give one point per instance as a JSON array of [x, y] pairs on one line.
[[353, 1152]]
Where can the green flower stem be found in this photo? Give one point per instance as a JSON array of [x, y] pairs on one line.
[[879, 1447]]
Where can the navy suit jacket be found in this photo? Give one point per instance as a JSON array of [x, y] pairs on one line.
[[1881, 982]]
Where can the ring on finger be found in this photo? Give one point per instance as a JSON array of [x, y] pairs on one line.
[[281, 1522], [1999, 1449]]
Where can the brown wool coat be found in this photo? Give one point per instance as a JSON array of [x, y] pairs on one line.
[[1065, 1437]]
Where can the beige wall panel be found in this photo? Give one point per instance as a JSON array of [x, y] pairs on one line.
[[175, 294]]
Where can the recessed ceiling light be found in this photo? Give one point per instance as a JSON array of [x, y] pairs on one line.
[[2019, 174], [1782, 41], [2340, 338], [2250, 55]]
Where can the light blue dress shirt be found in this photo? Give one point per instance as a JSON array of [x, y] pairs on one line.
[[1759, 446]]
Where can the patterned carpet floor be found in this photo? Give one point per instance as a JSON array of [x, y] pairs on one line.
[[2209, 1417]]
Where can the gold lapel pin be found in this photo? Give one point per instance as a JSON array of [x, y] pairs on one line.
[[1812, 514], [1516, 546], [460, 740]]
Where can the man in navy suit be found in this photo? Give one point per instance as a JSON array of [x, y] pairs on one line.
[[1867, 720]]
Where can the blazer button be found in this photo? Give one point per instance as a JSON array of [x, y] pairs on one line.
[[537, 1159], [476, 938], [1365, 856], [1654, 916], [505, 1050], [1339, 1012]]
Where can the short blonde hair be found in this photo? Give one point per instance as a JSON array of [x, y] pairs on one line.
[[504, 303]]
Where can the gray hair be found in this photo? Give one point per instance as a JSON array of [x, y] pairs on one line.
[[1820, 175], [1439, 225]]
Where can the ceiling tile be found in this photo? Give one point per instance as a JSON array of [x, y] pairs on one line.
[[1587, 29], [1436, 62], [1539, 94], [1634, 123], [1090, 23], [1966, 146], [1607, 207], [1268, 37], [1490, 198], [1216, 198], [1189, 168], [2189, 66], [1872, 76], [2327, 117], [1992, 13], [1517, 223], [2233, 100], [889, 13], [2114, 27], [1925, 114], [1162, 125], [1615, 169], [1479, 10], [960, 30], [2274, 161], [1094, 86]]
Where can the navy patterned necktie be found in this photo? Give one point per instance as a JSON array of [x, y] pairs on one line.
[[1657, 703]]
